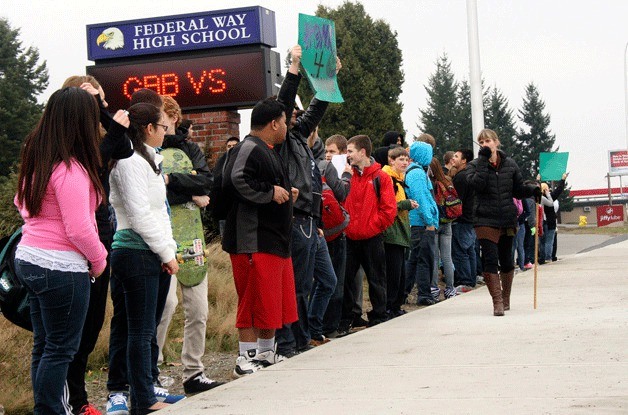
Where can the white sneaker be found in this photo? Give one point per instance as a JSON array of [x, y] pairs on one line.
[[268, 358], [246, 365]]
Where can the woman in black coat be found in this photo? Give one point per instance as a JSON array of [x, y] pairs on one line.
[[496, 179]]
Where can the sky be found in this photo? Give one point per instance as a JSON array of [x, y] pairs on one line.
[[574, 52]]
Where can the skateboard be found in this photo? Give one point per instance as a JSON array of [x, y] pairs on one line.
[[187, 228]]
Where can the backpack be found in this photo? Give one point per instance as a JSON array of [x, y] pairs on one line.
[[518, 205], [334, 216], [448, 202], [221, 201], [13, 295]]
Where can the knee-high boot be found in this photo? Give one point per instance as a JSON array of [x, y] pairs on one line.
[[506, 278], [495, 288]]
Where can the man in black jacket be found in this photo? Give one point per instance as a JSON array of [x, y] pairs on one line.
[[257, 237], [463, 236]]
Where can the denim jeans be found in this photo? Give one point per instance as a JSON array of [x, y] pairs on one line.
[[463, 253], [322, 290], [296, 336], [338, 254], [421, 263], [443, 253], [58, 302], [549, 244], [517, 247], [528, 244], [136, 286], [98, 293], [370, 254]]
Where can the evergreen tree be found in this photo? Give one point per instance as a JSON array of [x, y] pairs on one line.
[[464, 116], [22, 78], [499, 117], [371, 79], [464, 124], [440, 118], [535, 137]]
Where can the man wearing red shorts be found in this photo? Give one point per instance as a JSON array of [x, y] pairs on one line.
[[257, 235]]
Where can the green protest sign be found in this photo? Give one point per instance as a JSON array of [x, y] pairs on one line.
[[317, 37], [552, 166]]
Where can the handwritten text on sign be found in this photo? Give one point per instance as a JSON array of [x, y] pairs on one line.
[[317, 38]]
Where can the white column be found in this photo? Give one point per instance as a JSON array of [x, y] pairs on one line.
[[475, 73]]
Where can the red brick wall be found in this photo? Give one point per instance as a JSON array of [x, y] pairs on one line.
[[210, 131]]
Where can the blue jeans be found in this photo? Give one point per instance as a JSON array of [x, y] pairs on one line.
[[322, 290], [463, 253], [58, 302], [338, 254], [517, 247], [549, 243], [443, 253], [137, 276], [296, 336], [421, 263]]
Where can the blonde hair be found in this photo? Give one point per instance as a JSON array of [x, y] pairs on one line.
[[487, 134], [78, 80], [172, 109]]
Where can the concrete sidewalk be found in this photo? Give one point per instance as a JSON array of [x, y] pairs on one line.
[[569, 356]]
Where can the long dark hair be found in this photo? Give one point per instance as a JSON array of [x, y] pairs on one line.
[[68, 129], [439, 174], [140, 115]]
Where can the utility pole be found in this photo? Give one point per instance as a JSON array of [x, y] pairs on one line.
[[475, 73]]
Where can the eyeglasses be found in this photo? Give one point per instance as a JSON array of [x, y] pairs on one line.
[[165, 127]]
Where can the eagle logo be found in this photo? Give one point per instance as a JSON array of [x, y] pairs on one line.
[[111, 38]]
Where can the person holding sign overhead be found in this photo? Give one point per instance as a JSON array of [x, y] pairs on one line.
[[309, 248]]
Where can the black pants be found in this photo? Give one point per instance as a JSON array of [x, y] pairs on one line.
[[395, 276], [370, 254], [91, 329], [497, 256]]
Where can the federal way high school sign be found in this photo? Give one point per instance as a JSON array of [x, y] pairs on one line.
[[206, 30]]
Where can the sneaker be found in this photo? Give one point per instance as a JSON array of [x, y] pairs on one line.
[[89, 409], [400, 312], [461, 289], [450, 292], [269, 358], [426, 301], [118, 403], [332, 335], [319, 341], [435, 293], [359, 322], [246, 365], [528, 266], [199, 383], [162, 395]]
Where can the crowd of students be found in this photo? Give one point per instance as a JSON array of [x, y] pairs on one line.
[[299, 282]]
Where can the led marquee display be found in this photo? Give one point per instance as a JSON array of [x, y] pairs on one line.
[[199, 82]]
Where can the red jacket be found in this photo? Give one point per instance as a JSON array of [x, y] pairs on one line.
[[369, 215]]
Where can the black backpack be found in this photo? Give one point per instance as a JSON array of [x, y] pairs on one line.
[[13, 295]]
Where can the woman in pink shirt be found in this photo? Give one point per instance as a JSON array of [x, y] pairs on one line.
[[58, 193]]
